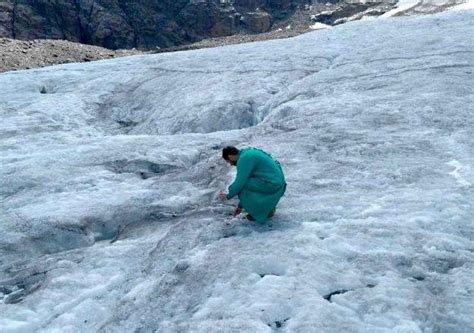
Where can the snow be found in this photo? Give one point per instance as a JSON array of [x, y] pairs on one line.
[[456, 173], [402, 5], [427, 6], [109, 216], [318, 26], [467, 4]]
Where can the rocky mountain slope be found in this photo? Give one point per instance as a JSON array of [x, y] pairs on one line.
[[141, 24]]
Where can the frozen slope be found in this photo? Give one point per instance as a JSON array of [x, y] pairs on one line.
[[109, 173]]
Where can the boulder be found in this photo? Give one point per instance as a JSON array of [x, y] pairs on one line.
[[257, 22]]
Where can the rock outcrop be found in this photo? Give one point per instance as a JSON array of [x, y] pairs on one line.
[[141, 24]]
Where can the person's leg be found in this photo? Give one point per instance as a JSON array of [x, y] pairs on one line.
[[258, 206], [261, 186], [272, 213]]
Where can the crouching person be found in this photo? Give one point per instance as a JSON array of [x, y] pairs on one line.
[[259, 184]]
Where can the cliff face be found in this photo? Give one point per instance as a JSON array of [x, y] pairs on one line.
[[142, 23]]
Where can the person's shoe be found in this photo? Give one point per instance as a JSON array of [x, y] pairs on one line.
[[250, 217], [272, 212]]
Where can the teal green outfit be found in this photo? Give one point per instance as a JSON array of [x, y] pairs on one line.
[[259, 184]]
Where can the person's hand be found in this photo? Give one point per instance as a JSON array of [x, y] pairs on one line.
[[237, 211], [222, 196]]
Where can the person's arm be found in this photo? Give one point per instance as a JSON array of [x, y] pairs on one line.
[[245, 166]]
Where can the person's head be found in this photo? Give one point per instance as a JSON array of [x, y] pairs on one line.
[[230, 154]]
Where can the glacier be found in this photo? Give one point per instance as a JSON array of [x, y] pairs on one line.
[[109, 218]]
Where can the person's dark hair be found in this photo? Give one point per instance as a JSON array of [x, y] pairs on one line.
[[229, 150]]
